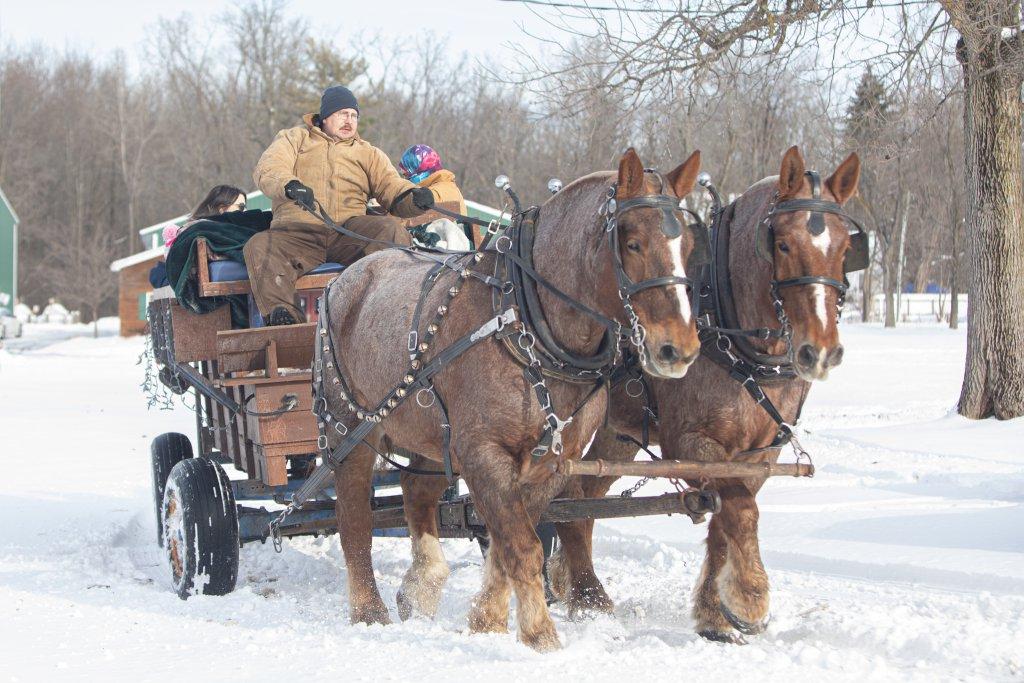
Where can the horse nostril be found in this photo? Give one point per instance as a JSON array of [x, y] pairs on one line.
[[807, 356], [835, 357], [668, 353]]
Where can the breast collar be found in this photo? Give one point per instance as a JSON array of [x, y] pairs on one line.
[[556, 361]]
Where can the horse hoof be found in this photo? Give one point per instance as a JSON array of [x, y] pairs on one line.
[[744, 627], [371, 615], [545, 641], [404, 606], [590, 601], [722, 637], [481, 622]]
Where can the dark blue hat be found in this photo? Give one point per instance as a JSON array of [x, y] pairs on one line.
[[336, 98]]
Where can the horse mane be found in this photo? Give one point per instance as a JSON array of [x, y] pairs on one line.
[[750, 274]]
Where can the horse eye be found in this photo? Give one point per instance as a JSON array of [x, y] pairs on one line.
[[633, 245], [783, 247]]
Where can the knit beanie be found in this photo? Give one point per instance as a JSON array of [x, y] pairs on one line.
[[418, 162], [336, 98]]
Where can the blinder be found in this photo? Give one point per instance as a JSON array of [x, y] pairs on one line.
[[672, 228], [858, 255]]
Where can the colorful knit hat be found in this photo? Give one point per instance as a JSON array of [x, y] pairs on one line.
[[418, 162], [170, 233]]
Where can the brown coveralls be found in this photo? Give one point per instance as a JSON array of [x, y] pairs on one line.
[[343, 174]]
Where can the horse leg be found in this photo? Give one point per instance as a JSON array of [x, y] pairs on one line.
[[743, 582], [571, 568], [707, 612], [489, 611], [492, 475], [353, 483], [422, 584]]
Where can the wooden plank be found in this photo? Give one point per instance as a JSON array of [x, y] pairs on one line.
[[272, 461], [195, 335], [271, 355], [245, 350], [237, 439], [207, 442], [251, 430], [219, 415], [202, 265], [304, 376], [688, 469], [298, 424], [306, 283]]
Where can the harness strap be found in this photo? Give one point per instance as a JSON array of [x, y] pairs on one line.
[[811, 280], [562, 296], [428, 284], [321, 475], [446, 438]]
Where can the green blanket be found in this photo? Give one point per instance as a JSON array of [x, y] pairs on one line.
[[224, 236]]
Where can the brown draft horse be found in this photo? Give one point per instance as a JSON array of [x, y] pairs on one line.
[[709, 417], [495, 419]]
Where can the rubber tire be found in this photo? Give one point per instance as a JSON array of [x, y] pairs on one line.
[[166, 451], [200, 529]]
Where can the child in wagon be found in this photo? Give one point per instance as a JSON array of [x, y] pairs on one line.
[[421, 164]]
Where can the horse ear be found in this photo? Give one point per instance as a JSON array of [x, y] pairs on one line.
[[631, 175], [684, 176], [791, 177], [843, 183]]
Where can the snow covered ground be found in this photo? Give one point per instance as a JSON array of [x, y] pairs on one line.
[[902, 559]]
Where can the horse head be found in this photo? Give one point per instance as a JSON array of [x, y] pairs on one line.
[[653, 243], [811, 250]]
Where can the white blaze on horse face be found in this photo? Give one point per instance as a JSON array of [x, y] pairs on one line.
[[822, 243], [819, 305], [675, 250]]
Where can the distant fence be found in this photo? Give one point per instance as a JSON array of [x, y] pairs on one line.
[[913, 308]]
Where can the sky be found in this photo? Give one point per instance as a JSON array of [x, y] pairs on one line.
[[478, 27]]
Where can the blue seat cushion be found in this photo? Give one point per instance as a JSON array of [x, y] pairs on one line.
[[228, 271]]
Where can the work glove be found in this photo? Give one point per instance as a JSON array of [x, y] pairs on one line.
[[300, 193], [423, 198]]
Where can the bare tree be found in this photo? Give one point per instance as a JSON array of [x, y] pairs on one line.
[[991, 51], [652, 49]]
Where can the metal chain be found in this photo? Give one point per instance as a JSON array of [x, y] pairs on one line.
[[638, 333], [628, 493], [526, 342]]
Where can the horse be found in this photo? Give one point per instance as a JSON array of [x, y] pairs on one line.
[[707, 416], [607, 254]]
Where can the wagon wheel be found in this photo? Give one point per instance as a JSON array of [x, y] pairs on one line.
[[166, 451], [200, 529]]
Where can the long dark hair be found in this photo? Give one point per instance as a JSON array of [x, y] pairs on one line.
[[219, 198]]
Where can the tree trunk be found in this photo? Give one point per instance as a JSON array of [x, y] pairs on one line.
[[867, 282], [994, 375], [890, 294], [954, 302]]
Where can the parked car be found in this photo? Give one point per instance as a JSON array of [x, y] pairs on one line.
[[9, 325]]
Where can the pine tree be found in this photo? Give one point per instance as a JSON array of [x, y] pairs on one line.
[[867, 114]]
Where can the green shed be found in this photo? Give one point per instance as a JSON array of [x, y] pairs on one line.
[[8, 253]]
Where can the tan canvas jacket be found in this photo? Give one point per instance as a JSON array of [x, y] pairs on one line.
[[343, 174]]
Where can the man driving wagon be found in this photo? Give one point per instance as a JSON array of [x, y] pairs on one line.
[[323, 160]]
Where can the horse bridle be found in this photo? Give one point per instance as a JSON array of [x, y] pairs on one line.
[[612, 210], [855, 259]]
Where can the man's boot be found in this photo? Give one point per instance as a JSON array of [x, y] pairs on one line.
[[281, 316]]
